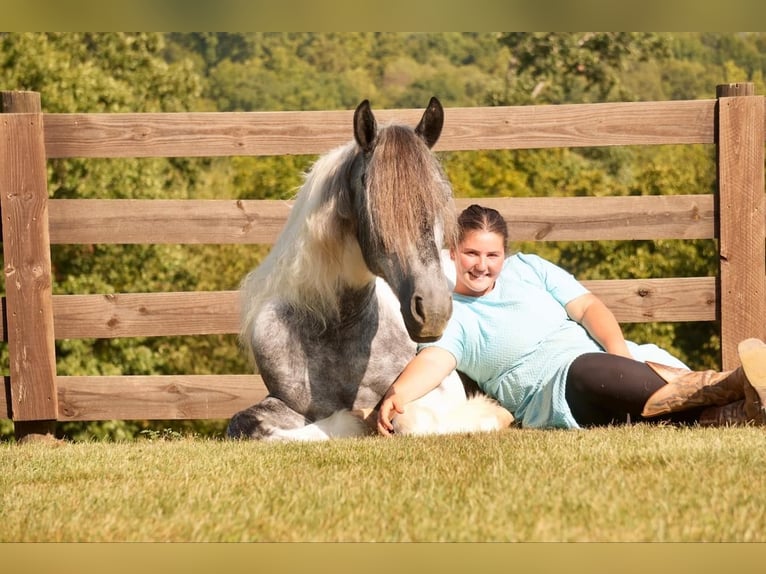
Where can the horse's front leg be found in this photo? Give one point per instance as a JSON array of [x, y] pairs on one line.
[[261, 420], [272, 419]]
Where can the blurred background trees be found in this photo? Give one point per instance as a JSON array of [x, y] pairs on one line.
[[210, 71]]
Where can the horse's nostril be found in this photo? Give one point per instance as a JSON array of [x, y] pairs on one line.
[[418, 310]]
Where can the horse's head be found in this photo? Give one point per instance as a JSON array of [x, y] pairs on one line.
[[400, 204]]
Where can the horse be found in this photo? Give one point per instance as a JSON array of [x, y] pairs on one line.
[[353, 282]]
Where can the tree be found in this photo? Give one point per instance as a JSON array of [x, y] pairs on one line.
[[553, 67]]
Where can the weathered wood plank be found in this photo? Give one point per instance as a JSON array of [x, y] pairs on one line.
[[217, 312], [5, 399], [146, 314], [313, 132], [168, 397], [85, 221], [664, 300], [743, 229], [26, 258], [604, 218], [153, 221]]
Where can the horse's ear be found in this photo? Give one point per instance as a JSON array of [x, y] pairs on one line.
[[430, 126], [365, 126]]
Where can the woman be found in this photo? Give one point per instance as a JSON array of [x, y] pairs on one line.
[[552, 353]]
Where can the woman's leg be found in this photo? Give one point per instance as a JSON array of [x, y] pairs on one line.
[[607, 389]]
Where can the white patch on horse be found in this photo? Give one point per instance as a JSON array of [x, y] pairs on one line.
[[340, 424]]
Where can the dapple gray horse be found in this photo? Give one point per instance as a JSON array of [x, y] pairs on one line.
[[333, 314]]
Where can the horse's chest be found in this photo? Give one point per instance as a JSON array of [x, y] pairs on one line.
[[354, 361], [363, 351]]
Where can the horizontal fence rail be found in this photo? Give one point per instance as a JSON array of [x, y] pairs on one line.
[[214, 134], [217, 312], [220, 221]]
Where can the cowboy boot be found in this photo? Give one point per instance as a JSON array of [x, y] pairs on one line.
[[732, 414], [689, 389]]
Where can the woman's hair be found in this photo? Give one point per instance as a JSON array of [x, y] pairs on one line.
[[478, 218]]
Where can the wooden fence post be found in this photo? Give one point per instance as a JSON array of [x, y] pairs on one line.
[[27, 265], [742, 232]]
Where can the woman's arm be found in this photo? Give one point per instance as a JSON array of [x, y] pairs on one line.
[[422, 374], [599, 321]]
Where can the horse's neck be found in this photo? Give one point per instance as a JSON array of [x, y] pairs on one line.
[[354, 304], [353, 272], [321, 278], [355, 284]]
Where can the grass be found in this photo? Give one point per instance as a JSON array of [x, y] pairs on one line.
[[623, 484]]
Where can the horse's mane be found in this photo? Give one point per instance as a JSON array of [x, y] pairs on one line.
[[299, 267], [302, 267]]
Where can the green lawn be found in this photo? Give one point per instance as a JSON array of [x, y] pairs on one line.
[[627, 484]]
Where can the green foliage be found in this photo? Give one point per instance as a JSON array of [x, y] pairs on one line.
[[97, 72], [553, 67]]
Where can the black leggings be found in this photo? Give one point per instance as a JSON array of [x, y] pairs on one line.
[[604, 389]]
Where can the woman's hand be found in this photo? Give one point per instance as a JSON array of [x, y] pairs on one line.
[[389, 408], [423, 373]]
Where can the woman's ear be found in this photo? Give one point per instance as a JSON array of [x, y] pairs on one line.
[[452, 253]]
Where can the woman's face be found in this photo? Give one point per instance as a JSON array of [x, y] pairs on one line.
[[478, 261]]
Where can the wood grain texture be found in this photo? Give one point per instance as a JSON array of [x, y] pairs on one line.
[[604, 218], [743, 229], [217, 312], [5, 399], [314, 132], [166, 397], [146, 314], [20, 102], [27, 266], [664, 300], [156, 221]]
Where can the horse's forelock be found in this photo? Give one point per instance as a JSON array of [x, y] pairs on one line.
[[407, 190]]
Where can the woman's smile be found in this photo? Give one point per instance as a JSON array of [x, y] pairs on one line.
[[478, 261]]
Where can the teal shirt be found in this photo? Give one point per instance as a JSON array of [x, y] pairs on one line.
[[517, 342]]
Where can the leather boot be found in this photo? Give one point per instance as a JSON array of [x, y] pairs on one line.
[[732, 414], [689, 389]]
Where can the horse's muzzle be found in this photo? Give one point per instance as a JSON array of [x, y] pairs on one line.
[[427, 318]]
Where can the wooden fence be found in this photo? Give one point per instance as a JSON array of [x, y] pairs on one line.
[[35, 397]]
